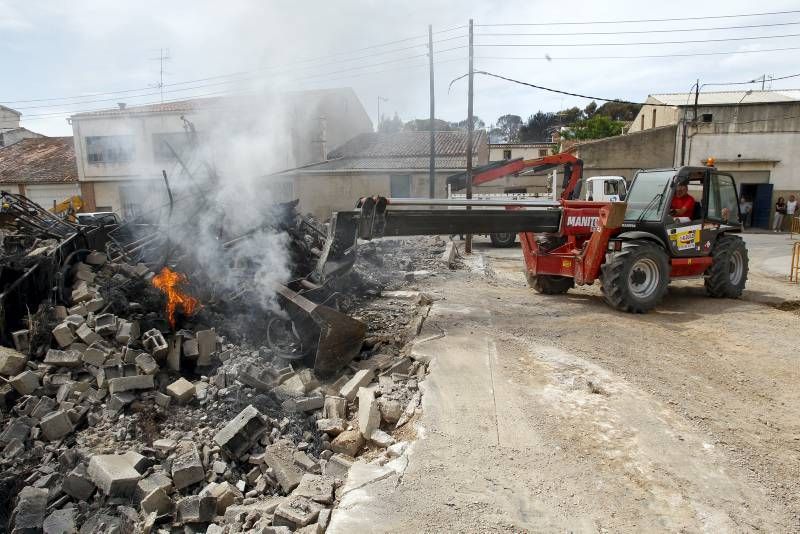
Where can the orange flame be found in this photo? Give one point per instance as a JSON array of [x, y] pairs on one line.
[[167, 281]]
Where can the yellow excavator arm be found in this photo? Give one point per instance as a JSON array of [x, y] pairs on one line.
[[68, 208]]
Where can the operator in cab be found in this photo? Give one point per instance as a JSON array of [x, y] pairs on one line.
[[682, 206]]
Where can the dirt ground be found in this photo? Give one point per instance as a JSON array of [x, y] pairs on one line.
[[556, 413]]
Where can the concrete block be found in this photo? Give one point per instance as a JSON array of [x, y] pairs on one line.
[[292, 388], [369, 416], [60, 521], [130, 383], [323, 520], [146, 364], [241, 432], [318, 488], [449, 255], [391, 410], [261, 509], [156, 501], [191, 349], [196, 509], [138, 461], [113, 474], [296, 512], [226, 495], [56, 425], [305, 462], [181, 390], [95, 304], [304, 404], [96, 258], [63, 335], [187, 469], [127, 331], [28, 515], [63, 358], [105, 324], [348, 442], [334, 408], [77, 484], [174, 353], [95, 355], [206, 346], [79, 309], [25, 383], [22, 341], [81, 293], [154, 342], [280, 457], [43, 407], [155, 481], [87, 335], [12, 362], [361, 379]]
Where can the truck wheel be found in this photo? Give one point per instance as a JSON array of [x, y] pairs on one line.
[[636, 278], [727, 275], [503, 240], [548, 284]]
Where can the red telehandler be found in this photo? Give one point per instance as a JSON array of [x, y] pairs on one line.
[[634, 248]]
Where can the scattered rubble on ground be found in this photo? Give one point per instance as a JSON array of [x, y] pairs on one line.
[[111, 420]]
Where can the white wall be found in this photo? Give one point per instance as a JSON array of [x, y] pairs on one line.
[[526, 152], [8, 119], [47, 194]]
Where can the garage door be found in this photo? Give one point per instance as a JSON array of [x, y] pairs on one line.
[[45, 195]]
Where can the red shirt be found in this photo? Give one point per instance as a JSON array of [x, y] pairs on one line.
[[685, 201]]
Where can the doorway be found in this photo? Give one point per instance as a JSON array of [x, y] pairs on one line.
[[761, 196]]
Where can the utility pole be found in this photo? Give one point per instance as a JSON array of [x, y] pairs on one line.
[[378, 121], [468, 242], [432, 165], [685, 123]]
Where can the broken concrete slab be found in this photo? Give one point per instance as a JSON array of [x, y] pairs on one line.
[[362, 474], [261, 509], [334, 427], [280, 457], [225, 493], [206, 346], [318, 488], [60, 522], [338, 465], [22, 341], [361, 379], [113, 474], [380, 438], [12, 362], [334, 408], [296, 512], [242, 432], [369, 416], [63, 358], [156, 501]]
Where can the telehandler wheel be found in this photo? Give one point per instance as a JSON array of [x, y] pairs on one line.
[[503, 240], [727, 275], [636, 278], [550, 284]]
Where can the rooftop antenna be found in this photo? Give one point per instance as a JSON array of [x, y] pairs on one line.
[[163, 57]]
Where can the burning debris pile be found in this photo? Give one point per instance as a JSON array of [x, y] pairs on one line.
[[138, 399]]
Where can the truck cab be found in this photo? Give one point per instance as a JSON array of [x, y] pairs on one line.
[[605, 189]]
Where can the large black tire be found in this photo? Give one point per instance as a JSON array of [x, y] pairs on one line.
[[547, 284], [635, 279], [727, 275], [503, 240]]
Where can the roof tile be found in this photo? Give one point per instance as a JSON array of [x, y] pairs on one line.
[[39, 160]]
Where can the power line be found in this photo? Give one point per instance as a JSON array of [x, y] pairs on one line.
[[624, 32], [642, 42], [648, 56], [559, 91], [644, 20], [291, 66]]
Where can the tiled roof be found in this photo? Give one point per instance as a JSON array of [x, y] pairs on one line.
[[39, 160], [400, 151], [720, 98]]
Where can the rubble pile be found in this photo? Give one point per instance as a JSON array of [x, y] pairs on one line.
[[112, 421]]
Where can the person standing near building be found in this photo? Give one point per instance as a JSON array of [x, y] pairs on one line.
[[791, 209], [780, 211], [746, 209]]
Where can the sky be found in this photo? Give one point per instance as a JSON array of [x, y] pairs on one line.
[[65, 57]]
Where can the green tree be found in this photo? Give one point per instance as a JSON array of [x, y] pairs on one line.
[[619, 111], [392, 125], [477, 124], [423, 125], [590, 109], [507, 128], [536, 128], [597, 127]]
